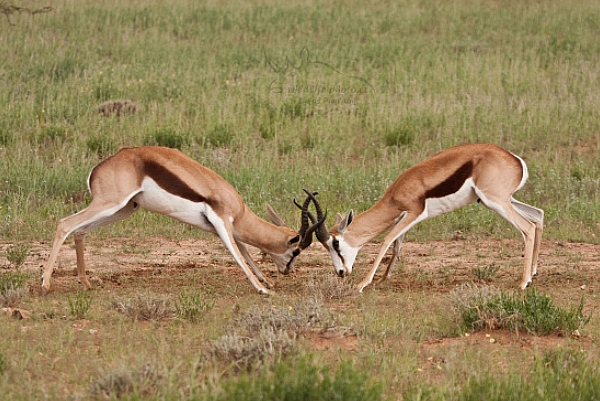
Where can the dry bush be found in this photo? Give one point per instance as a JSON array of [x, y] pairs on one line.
[[245, 352], [469, 295], [123, 381], [11, 297], [117, 107], [331, 288], [271, 331], [8, 9], [12, 289], [145, 307], [299, 317]]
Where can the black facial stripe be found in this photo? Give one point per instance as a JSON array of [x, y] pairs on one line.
[[294, 254], [335, 244], [336, 247], [340, 256]]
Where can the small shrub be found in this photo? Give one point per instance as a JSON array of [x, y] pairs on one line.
[[16, 254], [123, 381], [81, 305], [219, 136], [102, 146], [167, 137], [398, 136], [487, 273], [486, 308], [267, 131], [193, 305], [145, 307]]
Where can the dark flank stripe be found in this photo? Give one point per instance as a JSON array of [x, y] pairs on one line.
[[171, 183], [453, 183]]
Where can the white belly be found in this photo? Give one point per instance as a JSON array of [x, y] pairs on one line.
[[157, 200], [463, 197]]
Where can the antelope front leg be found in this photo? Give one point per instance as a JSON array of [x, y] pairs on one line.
[[79, 247], [394, 258], [406, 221], [246, 255], [59, 238]]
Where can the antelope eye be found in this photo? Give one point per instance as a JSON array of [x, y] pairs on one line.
[[336, 244]]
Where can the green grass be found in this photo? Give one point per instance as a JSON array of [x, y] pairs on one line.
[[303, 96], [556, 375], [302, 382], [277, 96]]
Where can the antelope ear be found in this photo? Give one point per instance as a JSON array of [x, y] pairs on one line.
[[338, 219], [346, 222], [294, 240], [275, 219]]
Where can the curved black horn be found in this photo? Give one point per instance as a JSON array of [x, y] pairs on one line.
[[316, 225], [306, 240], [321, 229]]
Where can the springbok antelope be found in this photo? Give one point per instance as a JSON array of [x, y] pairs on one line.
[[167, 182], [449, 180]]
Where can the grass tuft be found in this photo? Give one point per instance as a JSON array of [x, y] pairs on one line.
[[193, 305], [16, 254], [81, 305], [167, 137]]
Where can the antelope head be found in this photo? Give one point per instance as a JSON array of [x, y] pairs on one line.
[[303, 239], [342, 254]]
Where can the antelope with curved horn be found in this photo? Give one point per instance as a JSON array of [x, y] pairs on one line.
[[166, 181], [449, 180]]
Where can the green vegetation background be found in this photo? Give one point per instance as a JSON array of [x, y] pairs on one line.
[[276, 96]]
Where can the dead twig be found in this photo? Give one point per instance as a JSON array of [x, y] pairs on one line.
[[8, 9]]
